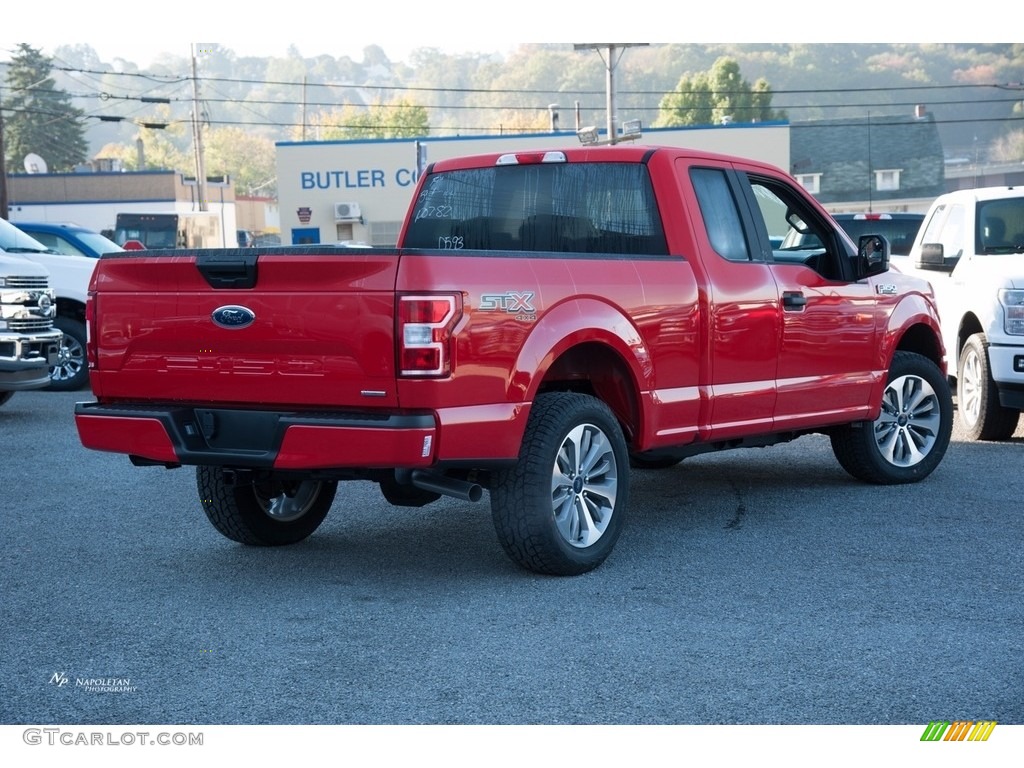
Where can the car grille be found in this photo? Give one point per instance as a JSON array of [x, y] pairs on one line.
[[27, 324], [31, 282]]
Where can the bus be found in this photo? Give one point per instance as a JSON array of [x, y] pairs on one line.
[[169, 230]]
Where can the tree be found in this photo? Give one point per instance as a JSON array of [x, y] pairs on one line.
[[719, 95], [1009, 148], [248, 159], [165, 149], [399, 119], [39, 117]]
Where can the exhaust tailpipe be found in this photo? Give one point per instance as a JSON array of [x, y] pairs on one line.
[[446, 486]]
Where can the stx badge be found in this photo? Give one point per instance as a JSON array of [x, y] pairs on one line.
[[513, 302]]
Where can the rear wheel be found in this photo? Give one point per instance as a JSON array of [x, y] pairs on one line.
[[560, 510], [268, 513], [910, 436], [981, 414], [5, 396]]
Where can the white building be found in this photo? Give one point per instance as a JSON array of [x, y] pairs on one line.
[[93, 200]]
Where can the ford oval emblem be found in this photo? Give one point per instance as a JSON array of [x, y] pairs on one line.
[[233, 316]]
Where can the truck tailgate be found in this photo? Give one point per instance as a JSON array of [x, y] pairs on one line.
[[299, 328]]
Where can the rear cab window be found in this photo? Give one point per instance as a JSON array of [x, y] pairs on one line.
[[606, 208]]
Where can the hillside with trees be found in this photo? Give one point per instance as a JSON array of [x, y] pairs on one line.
[[144, 118]]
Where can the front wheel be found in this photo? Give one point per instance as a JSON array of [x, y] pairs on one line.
[[5, 396], [560, 510], [910, 436], [268, 513], [71, 372], [981, 414]]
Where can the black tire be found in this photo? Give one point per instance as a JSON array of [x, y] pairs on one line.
[[980, 413], [560, 510], [264, 514], [5, 396], [72, 370], [639, 461], [910, 436]]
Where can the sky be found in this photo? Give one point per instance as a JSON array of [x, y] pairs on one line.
[[139, 33]]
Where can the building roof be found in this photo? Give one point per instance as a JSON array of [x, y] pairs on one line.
[[848, 152]]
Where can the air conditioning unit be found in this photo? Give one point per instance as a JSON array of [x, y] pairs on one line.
[[346, 212]]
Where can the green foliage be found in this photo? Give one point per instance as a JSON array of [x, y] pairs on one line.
[[719, 95], [1010, 148], [249, 160], [400, 119], [39, 117]]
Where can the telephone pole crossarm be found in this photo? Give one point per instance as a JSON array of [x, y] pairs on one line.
[[610, 63]]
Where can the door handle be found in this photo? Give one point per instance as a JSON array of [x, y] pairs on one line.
[[793, 300]]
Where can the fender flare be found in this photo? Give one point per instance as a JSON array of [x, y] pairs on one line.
[[911, 313], [568, 324]]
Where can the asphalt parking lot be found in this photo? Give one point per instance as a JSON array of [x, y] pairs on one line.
[[761, 586]]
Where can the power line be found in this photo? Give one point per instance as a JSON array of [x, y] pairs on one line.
[[431, 89], [226, 99]]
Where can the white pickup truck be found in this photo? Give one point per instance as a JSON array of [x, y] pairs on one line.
[[971, 248], [29, 343], [68, 253]]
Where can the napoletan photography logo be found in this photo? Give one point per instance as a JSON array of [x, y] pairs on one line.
[[108, 684], [958, 730]]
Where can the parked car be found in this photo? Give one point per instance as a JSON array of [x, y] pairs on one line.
[[899, 229], [68, 238], [972, 252], [29, 344], [70, 252]]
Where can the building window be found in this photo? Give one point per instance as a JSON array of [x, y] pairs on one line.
[[887, 181], [384, 233], [810, 181]]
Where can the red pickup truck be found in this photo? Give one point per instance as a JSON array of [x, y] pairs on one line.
[[548, 320]]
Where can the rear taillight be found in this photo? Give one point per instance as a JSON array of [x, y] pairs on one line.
[[90, 329], [425, 326]]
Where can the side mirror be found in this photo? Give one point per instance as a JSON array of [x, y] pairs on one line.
[[873, 253], [933, 257]]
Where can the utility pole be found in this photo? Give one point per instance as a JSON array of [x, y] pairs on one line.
[[3, 169], [613, 53], [197, 136]]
